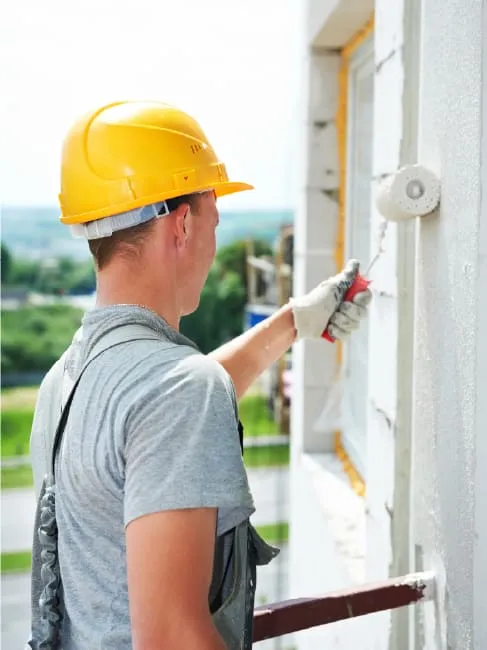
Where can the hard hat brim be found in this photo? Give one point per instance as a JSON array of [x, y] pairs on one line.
[[230, 187], [221, 189]]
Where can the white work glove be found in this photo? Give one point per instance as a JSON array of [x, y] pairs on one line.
[[323, 307]]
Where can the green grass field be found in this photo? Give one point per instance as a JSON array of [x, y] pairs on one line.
[[277, 533], [19, 398], [17, 561], [16, 426], [269, 456], [255, 416], [16, 420], [16, 477]]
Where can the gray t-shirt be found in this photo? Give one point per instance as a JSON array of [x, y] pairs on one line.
[[152, 427]]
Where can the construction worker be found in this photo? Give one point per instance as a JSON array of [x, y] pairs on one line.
[[142, 537]]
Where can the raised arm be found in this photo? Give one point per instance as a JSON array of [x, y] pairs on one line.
[[249, 354]]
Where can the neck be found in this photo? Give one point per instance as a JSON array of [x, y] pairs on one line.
[[117, 285]]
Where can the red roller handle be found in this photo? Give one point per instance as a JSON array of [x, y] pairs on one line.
[[359, 284]]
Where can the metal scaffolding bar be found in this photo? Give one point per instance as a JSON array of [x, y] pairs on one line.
[[290, 616]]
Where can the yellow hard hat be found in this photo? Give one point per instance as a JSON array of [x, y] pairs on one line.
[[129, 154]]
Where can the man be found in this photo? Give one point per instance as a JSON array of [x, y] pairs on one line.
[[148, 545]]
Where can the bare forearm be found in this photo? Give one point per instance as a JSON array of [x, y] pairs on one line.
[[248, 355], [189, 633]]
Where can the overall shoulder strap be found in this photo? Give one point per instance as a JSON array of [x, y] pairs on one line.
[[118, 336]]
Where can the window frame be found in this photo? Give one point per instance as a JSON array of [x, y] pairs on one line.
[[360, 62]]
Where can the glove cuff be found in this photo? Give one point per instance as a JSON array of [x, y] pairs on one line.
[[304, 320]]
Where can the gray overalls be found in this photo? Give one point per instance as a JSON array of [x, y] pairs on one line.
[[237, 553]]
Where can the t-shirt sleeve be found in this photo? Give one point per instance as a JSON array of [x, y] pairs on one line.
[[182, 445]]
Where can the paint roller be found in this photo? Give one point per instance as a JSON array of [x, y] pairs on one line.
[[413, 191]]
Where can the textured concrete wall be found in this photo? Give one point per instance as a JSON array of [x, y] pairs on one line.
[[381, 433], [480, 513], [451, 356], [383, 313], [314, 362], [449, 482]]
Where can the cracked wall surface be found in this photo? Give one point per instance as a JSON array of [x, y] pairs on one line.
[[446, 509], [450, 420]]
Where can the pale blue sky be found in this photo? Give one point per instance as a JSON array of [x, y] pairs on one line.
[[234, 65]]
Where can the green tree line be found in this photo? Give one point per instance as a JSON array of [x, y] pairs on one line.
[[33, 337], [61, 275]]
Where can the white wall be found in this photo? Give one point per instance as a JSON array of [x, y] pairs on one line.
[[451, 354], [314, 362], [328, 521], [480, 538], [383, 310], [327, 548], [327, 518], [449, 487], [382, 431]]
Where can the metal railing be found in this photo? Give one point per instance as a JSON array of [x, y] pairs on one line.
[[290, 616]]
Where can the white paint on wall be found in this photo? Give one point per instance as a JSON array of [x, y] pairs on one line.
[[381, 468], [450, 357], [321, 556], [450, 417], [327, 518], [480, 537]]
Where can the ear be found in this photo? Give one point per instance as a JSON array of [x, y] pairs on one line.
[[182, 224]]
